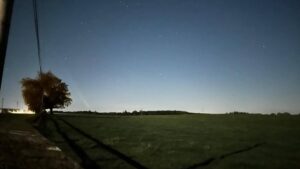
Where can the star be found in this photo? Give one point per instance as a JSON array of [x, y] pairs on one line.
[[123, 3]]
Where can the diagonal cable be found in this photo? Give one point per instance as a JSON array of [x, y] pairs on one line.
[[36, 26]]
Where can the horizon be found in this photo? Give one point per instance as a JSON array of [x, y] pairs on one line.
[[196, 56], [27, 111]]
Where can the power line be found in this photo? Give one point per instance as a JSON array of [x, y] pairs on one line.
[[36, 25]]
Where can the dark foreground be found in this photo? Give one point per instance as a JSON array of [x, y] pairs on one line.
[[184, 141], [22, 147]]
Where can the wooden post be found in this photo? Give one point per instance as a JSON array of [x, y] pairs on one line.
[[2, 102], [6, 9]]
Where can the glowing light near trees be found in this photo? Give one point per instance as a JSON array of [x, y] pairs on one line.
[[22, 111]]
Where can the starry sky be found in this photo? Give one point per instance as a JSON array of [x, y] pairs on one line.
[[211, 56]]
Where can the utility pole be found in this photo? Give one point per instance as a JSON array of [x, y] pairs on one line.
[[6, 10], [2, 105]]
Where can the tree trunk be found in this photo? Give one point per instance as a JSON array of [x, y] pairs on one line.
[[51, 110], [39, 119]]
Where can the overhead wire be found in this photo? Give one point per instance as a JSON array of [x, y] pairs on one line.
[[36, 26]]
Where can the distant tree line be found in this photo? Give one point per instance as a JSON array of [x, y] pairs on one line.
[[238, 112], [274, 114], [163, 112], [281, 113], [127, 113], [159, 112]]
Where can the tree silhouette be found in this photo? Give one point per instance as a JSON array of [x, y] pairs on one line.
[[46, 91], [32, 94]]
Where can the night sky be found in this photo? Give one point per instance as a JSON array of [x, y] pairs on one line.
[[211, 56]]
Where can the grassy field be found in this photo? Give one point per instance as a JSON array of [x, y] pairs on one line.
[[180, 141]]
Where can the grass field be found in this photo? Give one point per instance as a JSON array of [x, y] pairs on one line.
[[180, 141]]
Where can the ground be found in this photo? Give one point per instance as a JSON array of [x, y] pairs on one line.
[[179, 141], [22, 147], [152, 141]]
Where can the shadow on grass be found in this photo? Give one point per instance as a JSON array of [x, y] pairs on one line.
[[86, 161], [106, 147], [210, 160]]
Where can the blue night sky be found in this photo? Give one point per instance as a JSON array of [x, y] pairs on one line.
[[210, 56]]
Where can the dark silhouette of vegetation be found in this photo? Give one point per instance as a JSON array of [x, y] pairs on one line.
[[126, 113], [46, 91], [283, 114], [238, 112], [159, 112]]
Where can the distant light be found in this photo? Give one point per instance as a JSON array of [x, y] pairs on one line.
[[53, 148], [21, 111]]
